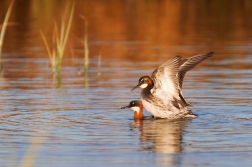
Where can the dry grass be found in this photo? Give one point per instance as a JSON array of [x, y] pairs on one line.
[[3, 29], [59, 40]]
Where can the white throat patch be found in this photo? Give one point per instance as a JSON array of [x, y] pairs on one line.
[[137, 109], [143, 85]]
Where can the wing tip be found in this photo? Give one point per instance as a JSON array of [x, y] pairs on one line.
[[210, 54]]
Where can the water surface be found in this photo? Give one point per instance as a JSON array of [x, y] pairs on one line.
[[74, 119]]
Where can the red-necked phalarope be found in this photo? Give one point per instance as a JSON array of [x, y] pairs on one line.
[[162, 92], [137, 107]]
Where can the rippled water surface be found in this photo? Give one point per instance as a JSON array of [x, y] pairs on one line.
[[81, 123], [74, 118]]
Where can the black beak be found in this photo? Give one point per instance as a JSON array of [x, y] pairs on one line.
[[125, 107], [135, 87]]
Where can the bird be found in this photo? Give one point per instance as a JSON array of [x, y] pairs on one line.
[[161, 93], [137, 107]]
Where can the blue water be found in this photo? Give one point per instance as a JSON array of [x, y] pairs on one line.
[[79, 122]]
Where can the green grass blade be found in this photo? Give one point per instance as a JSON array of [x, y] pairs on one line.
[[64, 37], [86, 50]]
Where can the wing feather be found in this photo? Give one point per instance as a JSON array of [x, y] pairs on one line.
[[188, 64], [168, 78], [165, 76]]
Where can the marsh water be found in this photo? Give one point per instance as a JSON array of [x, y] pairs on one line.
[[74, 118]]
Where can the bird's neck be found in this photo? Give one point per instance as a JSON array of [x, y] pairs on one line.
[[146, 92], [139, 114]]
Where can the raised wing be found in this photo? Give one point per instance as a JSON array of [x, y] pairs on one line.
[[165, 76], [168, 78], [188, 64]]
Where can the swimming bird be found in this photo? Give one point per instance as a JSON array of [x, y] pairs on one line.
[[161, 93], [137, 107]]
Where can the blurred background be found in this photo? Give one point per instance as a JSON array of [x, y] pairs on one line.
[[129, 30], [133, 29]]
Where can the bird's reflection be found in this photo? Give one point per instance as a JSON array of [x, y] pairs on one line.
[[162, 136], [165, 135]]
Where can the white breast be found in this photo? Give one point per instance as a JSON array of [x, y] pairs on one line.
[[154, 110], [137, 109], [166, 111]]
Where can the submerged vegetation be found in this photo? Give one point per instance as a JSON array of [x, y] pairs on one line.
[[3, 29]]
